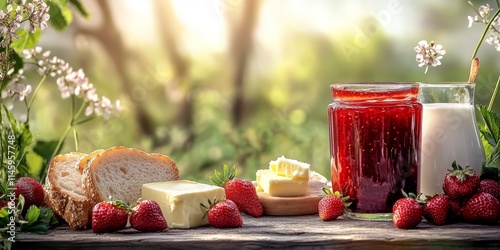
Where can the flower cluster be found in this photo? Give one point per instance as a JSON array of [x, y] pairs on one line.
[[483, 16], [71, 82], [429, 54], [15, 90], [35, 12]]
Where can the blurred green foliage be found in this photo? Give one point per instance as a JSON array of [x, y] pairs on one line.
[[285, 100]]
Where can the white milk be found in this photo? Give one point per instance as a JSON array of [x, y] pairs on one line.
[[449, 133]]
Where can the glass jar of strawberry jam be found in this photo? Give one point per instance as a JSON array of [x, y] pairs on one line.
[[375, 131]]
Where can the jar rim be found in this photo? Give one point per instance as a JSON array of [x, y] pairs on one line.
[[380, 92], [386, 85], [447, 84]]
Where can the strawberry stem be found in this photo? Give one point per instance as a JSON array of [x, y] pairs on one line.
[[227, 174]]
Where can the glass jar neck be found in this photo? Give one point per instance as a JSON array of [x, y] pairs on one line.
[[447, 93], [374, 93]]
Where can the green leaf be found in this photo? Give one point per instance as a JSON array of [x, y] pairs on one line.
[[26, 138], [45, 148], [20, 203], [44, 221], [26, 40], [81, 9], [32, 214], [60, 14], [4, 216], [486, 139], [491, 131]]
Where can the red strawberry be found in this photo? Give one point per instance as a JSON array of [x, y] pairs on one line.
[[406, 212], [332, 205], [109, 216], [482, 208], [223, 214], [456, 210], [460, 182], [490, 186], [147, 216], [242, 192], [31, 190], [437, 209]]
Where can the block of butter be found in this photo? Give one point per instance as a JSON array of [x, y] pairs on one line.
[[280, 186], [180, 201], [290, 168]]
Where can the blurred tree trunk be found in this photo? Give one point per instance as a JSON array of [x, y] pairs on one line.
[[241, 38], [168, 30], [110, 38]]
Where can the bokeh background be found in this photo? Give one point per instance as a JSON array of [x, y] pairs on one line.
[[242, 82]]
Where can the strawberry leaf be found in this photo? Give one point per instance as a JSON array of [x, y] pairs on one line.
[[32, 214], [45, 218], [327, 191], [4, 216], [220, 178]]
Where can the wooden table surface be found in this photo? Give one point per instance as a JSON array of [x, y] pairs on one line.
[[275, 232]]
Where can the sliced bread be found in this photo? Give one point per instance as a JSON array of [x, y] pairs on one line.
[[119, 172], [64, 192], [84, 161]]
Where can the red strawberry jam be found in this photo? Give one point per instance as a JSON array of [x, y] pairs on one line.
[[375, 132]]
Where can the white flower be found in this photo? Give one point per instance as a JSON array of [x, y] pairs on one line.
[[70, 82], [38, 15], [17, 90], [102, 106], [484, 11], [89, 110], [484, 15], [472, 20], [9, 26], [429, 54], [46, 66]]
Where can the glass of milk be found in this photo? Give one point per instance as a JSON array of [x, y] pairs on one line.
[[449, 133]]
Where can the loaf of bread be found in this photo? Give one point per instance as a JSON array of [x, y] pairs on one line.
[[119, 172], [64, 192], [76, 181]]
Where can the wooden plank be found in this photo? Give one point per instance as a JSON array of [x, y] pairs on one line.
[[277, 232]]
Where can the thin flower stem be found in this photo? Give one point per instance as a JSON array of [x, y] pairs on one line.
[[58, 147], [474, 8], [498, 3], [71, 124], [34, 95], [84, 120], [75, 136], [79, 112], [484, 33], [492, 100]]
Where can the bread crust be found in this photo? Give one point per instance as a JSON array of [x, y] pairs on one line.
[[85, 160], [75, 211], [94, 195]]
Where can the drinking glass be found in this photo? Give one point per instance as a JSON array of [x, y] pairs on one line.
[[449, 132]]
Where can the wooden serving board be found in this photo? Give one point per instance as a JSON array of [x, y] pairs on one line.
[[287, 206]]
